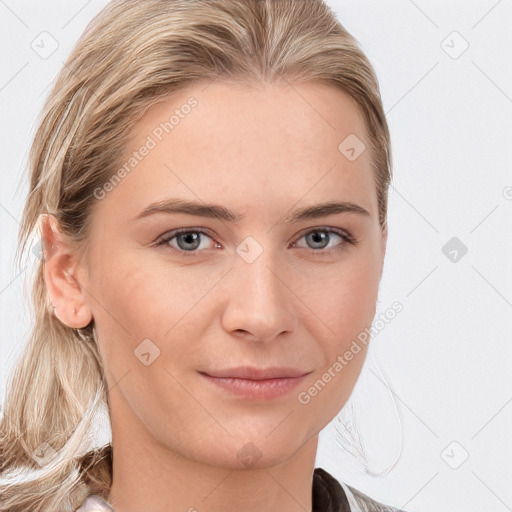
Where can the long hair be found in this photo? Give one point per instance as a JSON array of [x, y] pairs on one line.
[[133, 54]]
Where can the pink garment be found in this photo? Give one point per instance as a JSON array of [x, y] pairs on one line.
[[93, 503]]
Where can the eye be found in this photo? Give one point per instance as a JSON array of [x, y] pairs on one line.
[[319, 239], [187, 240]]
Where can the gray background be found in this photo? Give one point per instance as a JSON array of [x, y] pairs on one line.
[[446, 357]]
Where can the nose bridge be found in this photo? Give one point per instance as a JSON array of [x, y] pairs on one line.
[[259, 301]]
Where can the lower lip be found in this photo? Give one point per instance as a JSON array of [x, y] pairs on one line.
[[256, 389]]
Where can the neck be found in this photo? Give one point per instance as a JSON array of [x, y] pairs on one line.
[[149, 476]]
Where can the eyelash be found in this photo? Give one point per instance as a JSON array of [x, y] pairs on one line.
[[347, 239]]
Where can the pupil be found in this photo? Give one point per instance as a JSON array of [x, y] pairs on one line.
[[319, 237], [186, 237]]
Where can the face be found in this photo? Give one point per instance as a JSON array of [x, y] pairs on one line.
[[258, 286]]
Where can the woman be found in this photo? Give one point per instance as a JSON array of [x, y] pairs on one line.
[[210, 183]]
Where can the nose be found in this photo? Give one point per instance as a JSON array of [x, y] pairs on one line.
[[259, 300]]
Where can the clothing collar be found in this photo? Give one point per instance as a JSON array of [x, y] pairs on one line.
[[328, 496]]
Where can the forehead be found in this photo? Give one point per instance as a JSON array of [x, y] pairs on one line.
[[261, 146]]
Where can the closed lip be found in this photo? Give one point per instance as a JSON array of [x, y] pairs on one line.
[[253, 373]]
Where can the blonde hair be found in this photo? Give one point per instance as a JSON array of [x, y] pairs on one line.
[[133, 54]]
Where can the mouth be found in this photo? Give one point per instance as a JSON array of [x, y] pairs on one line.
[[253, 373], [256, 384]]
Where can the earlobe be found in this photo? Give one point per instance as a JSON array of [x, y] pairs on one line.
[[66, 294]]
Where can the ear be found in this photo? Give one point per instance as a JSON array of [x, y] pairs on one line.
[[61, 266]]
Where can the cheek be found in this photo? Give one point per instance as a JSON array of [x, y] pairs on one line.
[[345, 303], [152, 298], [344, 298], [158, 302]]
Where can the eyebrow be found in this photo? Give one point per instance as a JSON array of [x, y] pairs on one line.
[[175, 205]]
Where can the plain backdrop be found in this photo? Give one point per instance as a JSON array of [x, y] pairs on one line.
[[434, 401]]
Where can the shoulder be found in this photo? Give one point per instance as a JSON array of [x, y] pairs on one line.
[[93, 503], [360, 502]]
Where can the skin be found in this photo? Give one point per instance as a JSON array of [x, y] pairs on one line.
[[261, 152]]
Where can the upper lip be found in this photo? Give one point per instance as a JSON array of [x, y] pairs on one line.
[[253, 373]]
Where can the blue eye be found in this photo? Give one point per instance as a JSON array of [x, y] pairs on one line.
[[321, 237], [188, 241]]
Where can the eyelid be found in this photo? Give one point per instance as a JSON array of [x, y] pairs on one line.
[[347, 239], [169, 235], [330, 229]]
